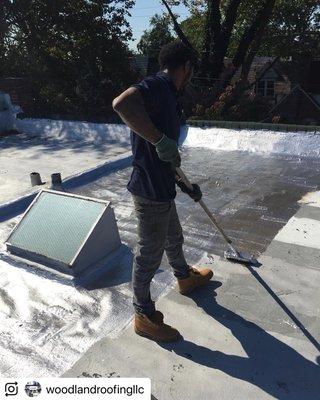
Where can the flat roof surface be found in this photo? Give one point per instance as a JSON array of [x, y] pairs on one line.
[[253, 195], [25, 153], [252, 333]]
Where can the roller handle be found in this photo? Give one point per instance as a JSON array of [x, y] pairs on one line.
[[186, 181]]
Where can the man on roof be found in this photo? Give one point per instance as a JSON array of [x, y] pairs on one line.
[[152, 112]]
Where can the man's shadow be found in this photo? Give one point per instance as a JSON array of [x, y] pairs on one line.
[[269, 364]]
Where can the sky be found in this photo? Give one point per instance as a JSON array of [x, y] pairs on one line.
[[141, 14]]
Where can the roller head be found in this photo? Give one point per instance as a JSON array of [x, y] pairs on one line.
[[241, 257]]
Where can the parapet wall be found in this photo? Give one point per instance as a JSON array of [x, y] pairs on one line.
[[256, 141], [74, 130], [299, 143]]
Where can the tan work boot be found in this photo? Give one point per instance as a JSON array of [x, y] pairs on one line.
[[154, 328], [198, 277]]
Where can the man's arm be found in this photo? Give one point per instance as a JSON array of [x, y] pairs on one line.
[[129, 105]]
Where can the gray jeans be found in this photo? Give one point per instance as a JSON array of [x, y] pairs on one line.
[[159, 230]]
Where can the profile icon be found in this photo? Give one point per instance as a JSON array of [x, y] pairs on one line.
[[33, 389]]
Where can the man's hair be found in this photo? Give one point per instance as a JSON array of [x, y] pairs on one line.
[[175, 54]]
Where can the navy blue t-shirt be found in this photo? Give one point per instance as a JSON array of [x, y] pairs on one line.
[[152, 178]]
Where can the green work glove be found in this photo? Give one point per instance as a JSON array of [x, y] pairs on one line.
[[167, 150]]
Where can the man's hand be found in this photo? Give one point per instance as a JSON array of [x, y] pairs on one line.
[[167, 150], [195, 193]]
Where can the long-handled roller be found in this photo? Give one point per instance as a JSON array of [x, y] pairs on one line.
[[231, 253]]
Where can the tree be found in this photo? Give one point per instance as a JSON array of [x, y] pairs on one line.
[[74, 52], [220, 20], [193, 27], [293, 27], [158, 35]]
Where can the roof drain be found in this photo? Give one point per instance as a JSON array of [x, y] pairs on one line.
[[35, 179], [56, 182]]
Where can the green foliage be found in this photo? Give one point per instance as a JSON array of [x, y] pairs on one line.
[[248, 107], [73, 51], [293, 29], [193, 27], [193, 5], [156, 36]]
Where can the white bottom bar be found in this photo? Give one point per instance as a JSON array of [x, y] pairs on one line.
[[77, 388]]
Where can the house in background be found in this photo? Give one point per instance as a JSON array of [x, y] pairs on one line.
[[291, 86], [268, 79], [298, 107], [272, 82], [302, 104]]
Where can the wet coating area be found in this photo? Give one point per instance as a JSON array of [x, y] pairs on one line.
[[253, 197]]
